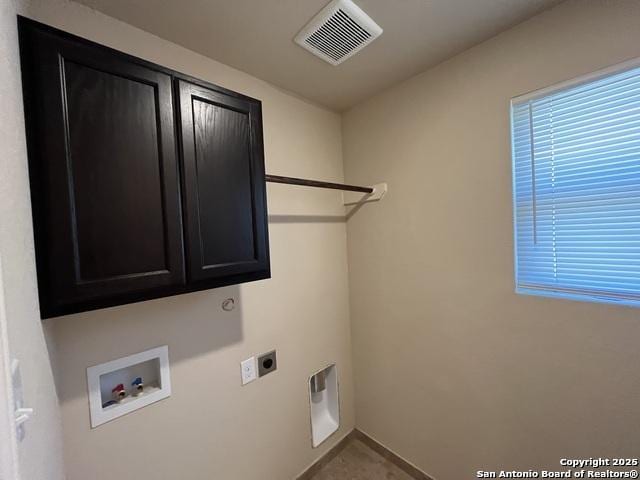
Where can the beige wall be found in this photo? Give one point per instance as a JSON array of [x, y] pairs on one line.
[[40, 453], [452, 369], [211, 427]]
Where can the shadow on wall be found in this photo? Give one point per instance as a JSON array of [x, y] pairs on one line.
[[306, 218], [192, 325], [316, 218]]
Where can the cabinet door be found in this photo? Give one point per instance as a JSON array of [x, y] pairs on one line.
[[105, 189], [224, 189]]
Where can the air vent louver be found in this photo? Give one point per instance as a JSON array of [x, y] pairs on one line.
[[339, 31]]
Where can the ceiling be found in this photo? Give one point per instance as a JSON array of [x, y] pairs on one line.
[[256, 36]]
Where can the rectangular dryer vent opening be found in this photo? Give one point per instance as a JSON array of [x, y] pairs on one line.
[[338, 32]]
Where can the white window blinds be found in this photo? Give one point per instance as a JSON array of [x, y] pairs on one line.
[[576, 170]]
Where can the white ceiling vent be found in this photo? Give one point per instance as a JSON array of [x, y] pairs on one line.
[[339, 31]]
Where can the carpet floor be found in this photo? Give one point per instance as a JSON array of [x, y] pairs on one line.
[[358, 462]]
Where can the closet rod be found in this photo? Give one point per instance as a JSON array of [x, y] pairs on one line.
[[315, 183]]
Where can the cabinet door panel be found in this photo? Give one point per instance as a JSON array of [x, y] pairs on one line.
[[225, 210], [118, 193], [104, 174]]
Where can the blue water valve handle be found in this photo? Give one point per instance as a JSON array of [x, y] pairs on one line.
[[138, 386]]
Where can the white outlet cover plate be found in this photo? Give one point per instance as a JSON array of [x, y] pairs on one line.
[[248, 370]]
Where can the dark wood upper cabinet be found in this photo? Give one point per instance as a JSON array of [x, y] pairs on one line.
[[225, 215], [121, 212]]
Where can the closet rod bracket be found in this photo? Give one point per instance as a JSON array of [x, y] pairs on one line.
[[378, 192]]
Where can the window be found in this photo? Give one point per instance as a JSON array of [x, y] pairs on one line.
[[576, 179]]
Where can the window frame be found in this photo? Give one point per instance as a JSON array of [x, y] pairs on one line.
[[533, 95]]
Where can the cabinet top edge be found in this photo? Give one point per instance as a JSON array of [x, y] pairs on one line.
[[25, 24]]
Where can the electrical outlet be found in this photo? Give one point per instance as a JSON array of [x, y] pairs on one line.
[[248, 370], [267, 363]]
